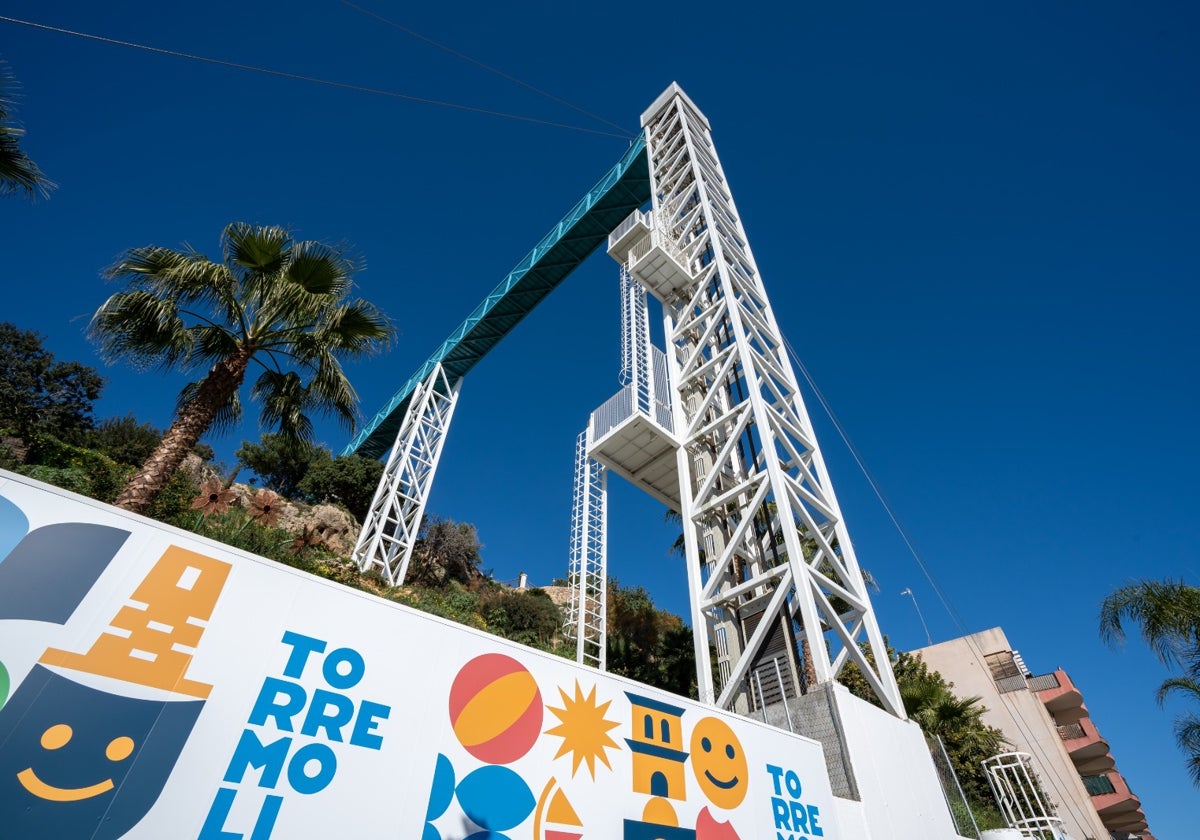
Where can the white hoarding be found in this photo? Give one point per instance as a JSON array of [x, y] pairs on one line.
[[158, 685]]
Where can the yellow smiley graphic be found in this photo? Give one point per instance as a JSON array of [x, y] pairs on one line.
[[56, 737], [719, 763]]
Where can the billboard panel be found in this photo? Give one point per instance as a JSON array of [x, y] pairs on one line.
[[155, 684]]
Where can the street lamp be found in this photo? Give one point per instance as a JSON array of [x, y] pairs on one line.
[[910, 594]]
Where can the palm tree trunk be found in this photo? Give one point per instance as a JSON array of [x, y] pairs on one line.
[[192, 421], [810, 671]]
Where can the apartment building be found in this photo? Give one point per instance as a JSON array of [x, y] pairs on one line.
[[1045, 716]]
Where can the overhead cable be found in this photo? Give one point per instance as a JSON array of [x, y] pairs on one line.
[[312, 79], [487, 67]]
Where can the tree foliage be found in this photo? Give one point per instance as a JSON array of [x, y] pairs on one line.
[[1167, 615], [281, 462], [525, 616], [18, 172], [41, 395], [272, 302], [647, 644], [445, 551], [349, 480]]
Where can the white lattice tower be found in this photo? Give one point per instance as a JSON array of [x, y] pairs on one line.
[[393, 522], [588, 576], [769, 559]]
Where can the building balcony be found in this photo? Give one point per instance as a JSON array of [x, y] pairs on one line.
[[626, 235], [1083, 741], [650, 255], [1111, 797], [1095, 766], [1064, 697], [631, 436]]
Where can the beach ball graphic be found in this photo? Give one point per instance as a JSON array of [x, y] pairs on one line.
[[495, 708]]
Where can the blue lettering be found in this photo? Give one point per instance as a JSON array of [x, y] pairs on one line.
[[780, 811], [302, 646], [297, 774], [267, 704], [251, 752], [354, 672], [328, 711], [799, 818], [813, 828], [214, 823], [776, 773], [369, 715]]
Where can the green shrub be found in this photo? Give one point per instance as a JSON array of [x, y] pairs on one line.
[[74, 468]]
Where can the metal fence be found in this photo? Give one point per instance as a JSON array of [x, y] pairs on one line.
[[1043, 682]]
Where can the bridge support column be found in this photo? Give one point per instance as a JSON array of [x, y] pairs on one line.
[[389, 533]]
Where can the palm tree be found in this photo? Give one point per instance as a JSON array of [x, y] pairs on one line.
[[274, 302], [1187, 725], [1167, 614], [18, 173]]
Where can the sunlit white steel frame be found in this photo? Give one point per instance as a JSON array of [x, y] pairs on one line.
[[588, 575], [390, 531], [749, 465], [1014, 784]]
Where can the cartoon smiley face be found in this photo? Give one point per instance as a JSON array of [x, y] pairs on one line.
[[719, 763], [56, 737], [77, 761]]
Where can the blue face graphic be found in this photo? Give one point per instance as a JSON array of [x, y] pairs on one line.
[[78, 762]]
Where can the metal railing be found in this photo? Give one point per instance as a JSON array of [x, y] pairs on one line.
[[656, 239], [1043, 682], [637, 217], [1007, 684], [615, 410], [1071, 731]]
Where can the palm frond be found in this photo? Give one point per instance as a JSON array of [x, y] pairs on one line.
[[165, 272], [140, 327], [1167, 614], [1187, 737], [356, 328], [256, 248], [18, 172], [1178, 685], [331, 391], [320, 269], [284, 400]]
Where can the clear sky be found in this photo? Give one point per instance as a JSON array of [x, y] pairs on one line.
[[977, 224]]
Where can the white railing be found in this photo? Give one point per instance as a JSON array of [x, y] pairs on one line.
[[637, 217], [656, 239], [616, 410]]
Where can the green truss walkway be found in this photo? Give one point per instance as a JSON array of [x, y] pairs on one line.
[[624, 189]]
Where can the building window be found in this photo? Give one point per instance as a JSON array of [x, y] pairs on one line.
[[1005, 671], [1002, 665]]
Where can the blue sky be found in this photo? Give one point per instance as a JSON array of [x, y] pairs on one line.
[[976, 224]]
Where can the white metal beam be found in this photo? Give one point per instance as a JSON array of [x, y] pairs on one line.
[[389, 533]]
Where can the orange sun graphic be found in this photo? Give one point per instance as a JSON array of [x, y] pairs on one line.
[[584, 729]]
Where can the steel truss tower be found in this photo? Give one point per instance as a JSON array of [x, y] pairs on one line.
[[390, 530], [771, 571], [716, 428]]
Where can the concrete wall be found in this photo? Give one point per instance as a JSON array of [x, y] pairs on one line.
[[898, 785]]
